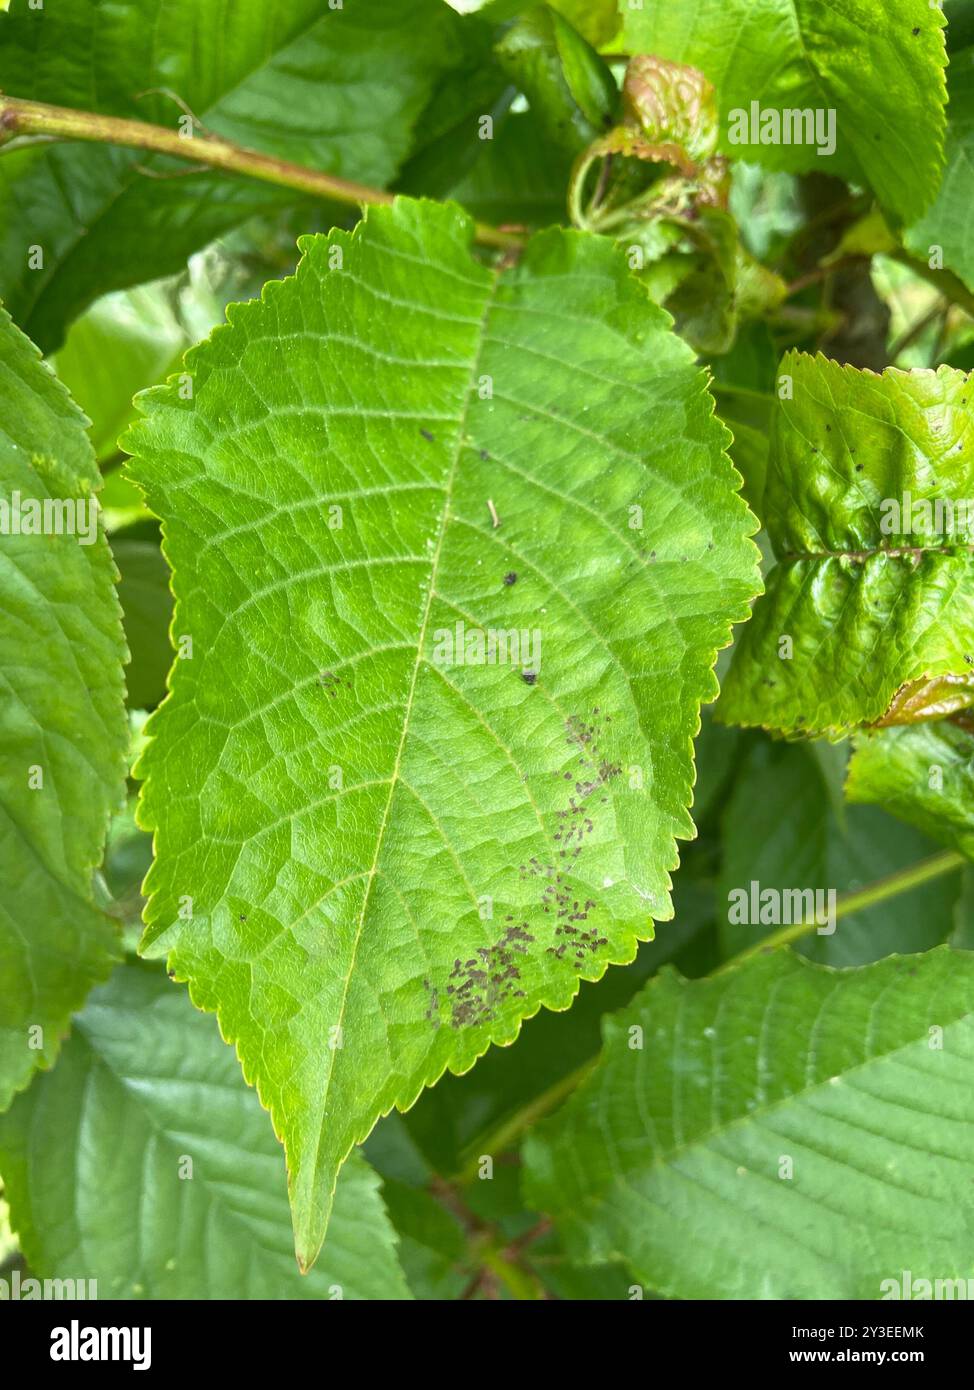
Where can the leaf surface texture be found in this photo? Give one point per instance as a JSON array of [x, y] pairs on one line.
[[675, 1155]]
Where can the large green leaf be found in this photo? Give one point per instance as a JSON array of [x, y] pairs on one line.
[[377, 844], [923, 773], [337, 89], [948, 226], [783, 1131], [144, 1162], [62, 728], [872, 591], [878, 64]]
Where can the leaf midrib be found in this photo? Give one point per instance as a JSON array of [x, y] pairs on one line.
[[394, 779], [893, 552]]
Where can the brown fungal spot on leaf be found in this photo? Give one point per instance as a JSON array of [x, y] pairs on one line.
[[486, 986]]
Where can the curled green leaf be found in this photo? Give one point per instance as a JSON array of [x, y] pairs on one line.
[[869, 505]]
